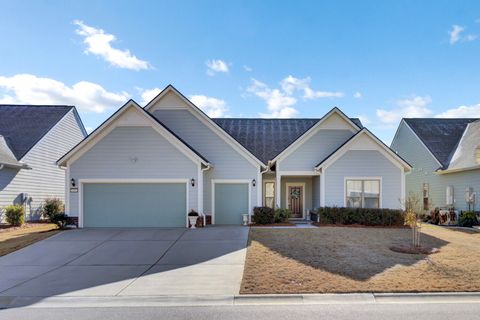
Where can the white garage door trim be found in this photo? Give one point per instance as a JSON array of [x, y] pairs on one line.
[[233, 181], [87, 181]]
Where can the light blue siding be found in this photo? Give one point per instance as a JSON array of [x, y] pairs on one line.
[[134, 205], [315, 149], [363, 163], [424, 165], [227, 162], [111, 158], [231, 201], [45, 179]]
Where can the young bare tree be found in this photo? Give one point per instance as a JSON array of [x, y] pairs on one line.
[[413, 211]]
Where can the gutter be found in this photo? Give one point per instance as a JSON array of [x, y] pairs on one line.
[[439, 171]]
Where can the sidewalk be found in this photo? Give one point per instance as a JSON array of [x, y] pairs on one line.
[[241, 300]]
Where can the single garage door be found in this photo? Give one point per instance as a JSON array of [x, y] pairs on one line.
[[134, 205], [231, 201]]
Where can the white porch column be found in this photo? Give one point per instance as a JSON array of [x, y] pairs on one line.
[[322, 189], [278, 189]]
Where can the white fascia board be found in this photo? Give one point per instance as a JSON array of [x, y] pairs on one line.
[[310, 132], [423, 144], [387, 152], [206, 120], [107, 127]]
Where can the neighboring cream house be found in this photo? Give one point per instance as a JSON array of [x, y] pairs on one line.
[[32, 138], [150, 166]]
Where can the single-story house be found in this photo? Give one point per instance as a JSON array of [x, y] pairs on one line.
[[32, 138], [150, 166], [445, 155]]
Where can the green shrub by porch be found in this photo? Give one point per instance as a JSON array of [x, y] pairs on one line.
[[15, 214], [468, 219], [363, 216], [263, 215]]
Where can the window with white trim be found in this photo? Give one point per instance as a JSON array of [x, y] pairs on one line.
[[269, 194], [426, 203], [362, 193]]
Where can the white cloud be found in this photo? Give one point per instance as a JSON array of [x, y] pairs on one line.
[[215, 66], [364, 119], [461, 112], [99, 43], [86, 96], [290, 84], [147, 95], [213, 107], [89, 129], [357, 95], [247, 68], [415, 107], [279, 103], [456, 35]]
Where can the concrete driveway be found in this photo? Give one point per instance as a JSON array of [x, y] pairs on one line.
[[128, 262]]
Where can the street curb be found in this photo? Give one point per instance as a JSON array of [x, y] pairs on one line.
[[239, 300]]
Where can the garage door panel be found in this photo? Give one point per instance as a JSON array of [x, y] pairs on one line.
[[231, 201], [134, 204]]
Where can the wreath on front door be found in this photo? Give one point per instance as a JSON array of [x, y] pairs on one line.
[[295, 193]]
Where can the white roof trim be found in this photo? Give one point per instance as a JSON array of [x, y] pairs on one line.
[[386, 151], [310, 132], [209, 122], [457, 169], [423, 144], [76, 152]]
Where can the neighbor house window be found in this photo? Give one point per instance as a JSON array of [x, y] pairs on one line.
[[270, 194], [425, 196], [363, 193]]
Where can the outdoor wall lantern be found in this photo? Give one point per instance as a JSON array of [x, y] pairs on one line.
[[72, 183], [192, 182], [254, 182]]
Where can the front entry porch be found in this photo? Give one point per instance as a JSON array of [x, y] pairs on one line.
[[299, 193]]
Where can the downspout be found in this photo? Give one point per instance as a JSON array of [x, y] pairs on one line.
[[1, 166]]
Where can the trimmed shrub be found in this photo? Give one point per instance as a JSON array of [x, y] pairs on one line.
[[468, 219], [52, 207], [263, 215], [363, 216], [15, 214], [282, 215]]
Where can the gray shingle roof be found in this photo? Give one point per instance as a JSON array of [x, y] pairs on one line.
[[440, 136], [266, 138], [23, 126], [6, 155]]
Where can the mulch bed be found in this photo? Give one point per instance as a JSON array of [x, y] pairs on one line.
[[5, 227], [281, 224], [409, 249], [357, 226]]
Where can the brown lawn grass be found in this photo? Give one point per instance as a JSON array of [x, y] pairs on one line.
[[340, 260], [14, 238]]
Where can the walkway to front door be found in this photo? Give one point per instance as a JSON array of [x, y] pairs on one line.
[[295, 199]]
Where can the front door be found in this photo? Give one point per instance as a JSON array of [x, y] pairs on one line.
[[295, 200]]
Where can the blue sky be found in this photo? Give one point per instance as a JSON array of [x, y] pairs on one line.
[[379, 60]]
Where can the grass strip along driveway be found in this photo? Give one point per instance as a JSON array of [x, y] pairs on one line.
[[15, 238], [344, 260]]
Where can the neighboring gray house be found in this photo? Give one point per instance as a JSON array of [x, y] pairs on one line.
[[445, 155], [32, 138], [150, 166]]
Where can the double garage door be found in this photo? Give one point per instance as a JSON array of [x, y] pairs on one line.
[[157, 204], [134, 204]]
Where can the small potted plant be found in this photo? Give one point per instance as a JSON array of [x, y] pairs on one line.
[[192, 218]]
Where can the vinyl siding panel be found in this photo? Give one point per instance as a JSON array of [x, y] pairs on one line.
[[110, 158], [363, 163], [227, 162], [45, 179], [424, 165], [315, 149]]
